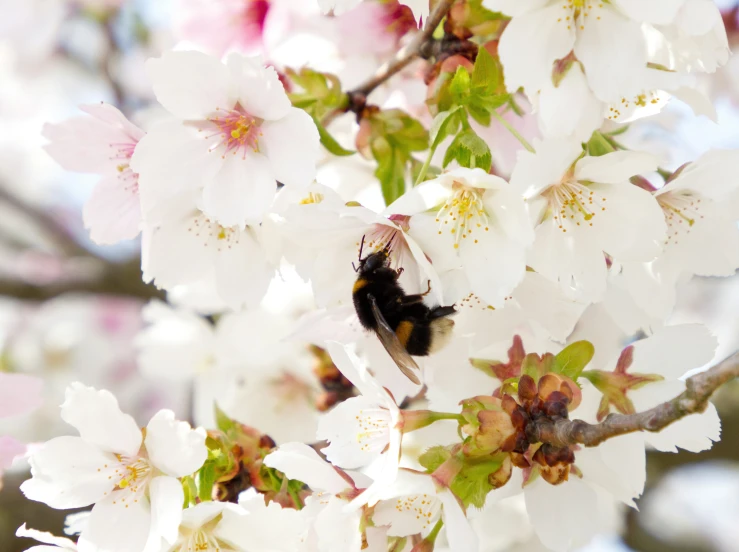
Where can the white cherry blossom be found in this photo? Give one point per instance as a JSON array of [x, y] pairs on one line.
[[233, 134], [332, 526], [414, 503], [470, 220], [131, 480], [585, 207], [51, 543], [102, 143], [365, 430]]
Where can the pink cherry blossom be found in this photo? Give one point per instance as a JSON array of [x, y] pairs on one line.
[[103, 144], [19, 394]]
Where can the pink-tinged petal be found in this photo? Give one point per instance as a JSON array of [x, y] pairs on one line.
[[69, 472], [616, 167], [97, 143], [166, 497], [244, 261], [656, 12], [115, 526], [258, 88], [292, 146], [612, 50], [173, 446], [113, 212], [19, 394], [242, 191], [190, 85], [338, 7], [301, 462], [10, 449], [96, 415], [530, 44], [47, 538], [514, 8]]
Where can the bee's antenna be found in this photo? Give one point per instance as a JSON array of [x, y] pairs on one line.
[[361, 247], [354, 267]]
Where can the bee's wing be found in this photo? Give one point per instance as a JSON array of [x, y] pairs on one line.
[[393, 346]]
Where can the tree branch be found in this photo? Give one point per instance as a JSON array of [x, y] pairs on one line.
[[693, 400], [419, 46]]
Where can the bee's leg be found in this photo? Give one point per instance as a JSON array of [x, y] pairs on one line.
[[399, 271], [428, 289]]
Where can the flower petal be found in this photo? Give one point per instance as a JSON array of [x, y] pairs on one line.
[[47, 538], [616, 167], [656, 12], [113, 211], [190, 85], [117, 527], [258, 88], [173, 446], [301, 462], [99, 420], [69, 472], [166, 497], [244, 261], [459, 533], [292, 146], [534, 172], [242, 190]]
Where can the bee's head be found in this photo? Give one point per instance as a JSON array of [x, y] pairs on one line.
[[373, 261]]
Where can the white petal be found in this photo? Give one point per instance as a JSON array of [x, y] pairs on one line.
[[506, 205], [69, 472], [243, 261], [166, 497], [99, 420], [117, 527], [612, 49], [301, 462], [292, 146], [616, 167], [555, 512], [494, 265], [338, 530], [657, 12], [190, 85], [256, 528], [47, 538], [674, 350], [694, 433], [174, 447], [530, 44], [459, 533], [113, 212], [513, 8], [258, 88], [534, 172], [569, 109], [355, 371], [241, 192]]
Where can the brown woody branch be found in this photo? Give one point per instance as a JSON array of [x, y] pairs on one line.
[[421, 45], [693, 400]]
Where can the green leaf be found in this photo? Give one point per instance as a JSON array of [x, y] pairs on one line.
[[469, 150], [329, 142], [206, 481], [434, 457], [317, 93], [573, 359], [390, 169], [487, 72], [598, 145], [444, 124], [223, 422], [472, 485], [460, 85]]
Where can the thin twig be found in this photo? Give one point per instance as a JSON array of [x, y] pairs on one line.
[[693, 400], [415, 48]]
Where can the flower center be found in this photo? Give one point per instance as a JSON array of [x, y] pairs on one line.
[[578, 12], [389, 238], [573, 204], [626, 107], [235, 130], [462, 213], [425, 507], [200, 541], [132, 476], [213, 234], [682, 210], [311, 198], [374, 428]]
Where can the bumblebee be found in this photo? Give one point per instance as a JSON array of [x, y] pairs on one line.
[[403, 323]]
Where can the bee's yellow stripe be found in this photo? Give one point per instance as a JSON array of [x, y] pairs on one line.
[[359, 284], [404, 331]]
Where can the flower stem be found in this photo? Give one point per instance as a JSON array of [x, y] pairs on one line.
[[425, 167], [417, 419], [435, 531], [513, 131]]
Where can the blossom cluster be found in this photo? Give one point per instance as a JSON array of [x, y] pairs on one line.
[[310, 433]]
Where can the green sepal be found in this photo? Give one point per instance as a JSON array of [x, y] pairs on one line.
[[573, 359]]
